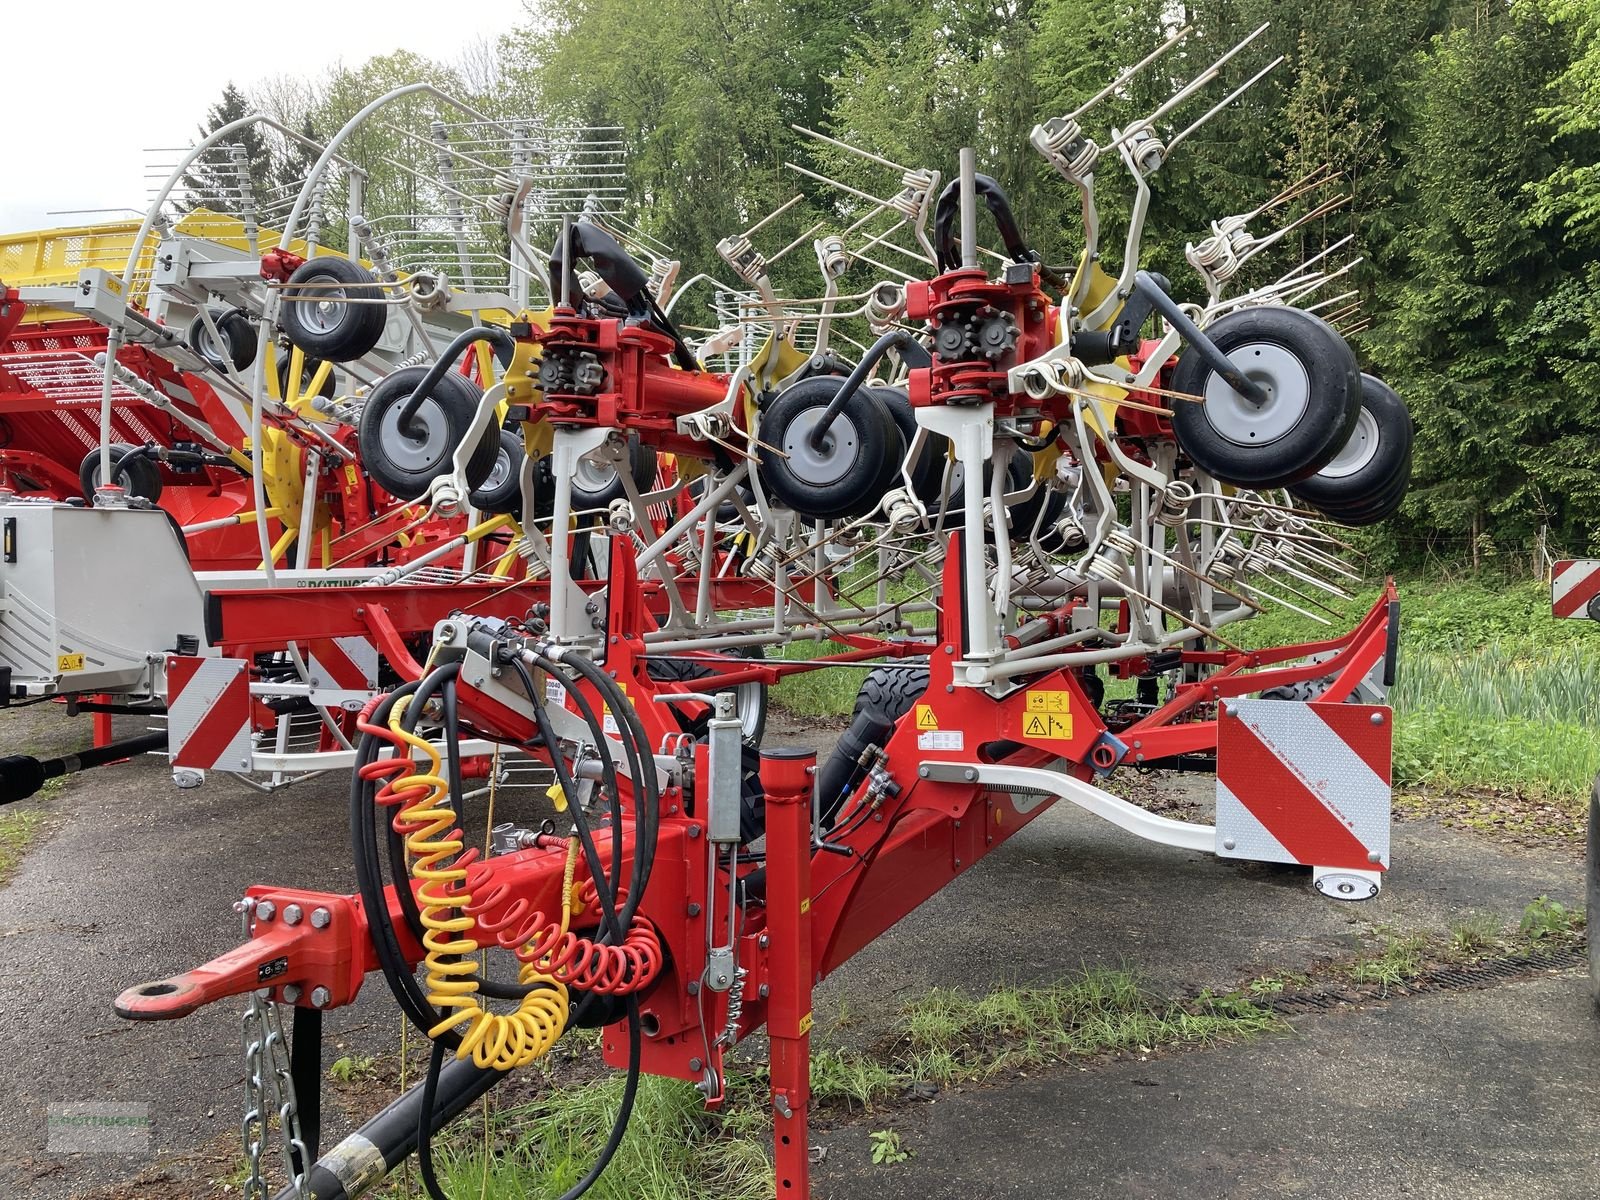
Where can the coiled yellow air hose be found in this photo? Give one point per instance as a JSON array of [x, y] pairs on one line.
[[503, 1041]]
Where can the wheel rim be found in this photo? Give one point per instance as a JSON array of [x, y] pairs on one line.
[[591, 476], [1359, 451], [839, 453], [499, 473], [750, 697], [1286, 382], [424, 444], [322, 313]]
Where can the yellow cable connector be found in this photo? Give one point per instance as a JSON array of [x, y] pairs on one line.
[[558, 796]]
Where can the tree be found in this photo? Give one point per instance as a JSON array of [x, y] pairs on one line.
[[1486, 330], [214, 180]]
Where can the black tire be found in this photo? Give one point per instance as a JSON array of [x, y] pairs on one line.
[[889, 692], [927, 476], [1045, 499], [501, 492], [1019, 472], [1314, 387], [405, 462], [727, 511], [1375, 508], [308, 372], [1376, 454], [752, 696], [597, 485], [1592, 893], [856, 465], [139, 476], [339, 323], [238, 348]]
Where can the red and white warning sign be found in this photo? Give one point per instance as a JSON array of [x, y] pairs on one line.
[[1307, 783], [1575, 588], [208, 713], [343, 670]]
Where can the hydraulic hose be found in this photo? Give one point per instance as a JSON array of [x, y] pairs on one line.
[[504, 347], [1146, 285], [908, 345]]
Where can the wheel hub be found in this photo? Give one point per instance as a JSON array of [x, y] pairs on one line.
[[834, 460], [424, 442], [323, 313], [1358, 451], [1288, 390]]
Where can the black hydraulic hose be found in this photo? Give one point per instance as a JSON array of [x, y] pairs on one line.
[[390, 1135], [642, 762], [947, 208], [452, 747], [430, 1092], [681, 354], [1146, 285], [504, 347], [902, 338], [604, 884]]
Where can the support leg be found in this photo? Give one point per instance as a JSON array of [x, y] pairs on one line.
[[787, 775], [102, 725]]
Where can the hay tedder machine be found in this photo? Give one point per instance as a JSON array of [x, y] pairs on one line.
[[1032, 506]]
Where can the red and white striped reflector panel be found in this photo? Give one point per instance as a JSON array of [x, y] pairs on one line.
[[343, 670], [1575, 588], [208, 713], [1304, 783]]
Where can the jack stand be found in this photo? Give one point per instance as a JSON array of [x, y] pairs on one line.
[[789, 777]]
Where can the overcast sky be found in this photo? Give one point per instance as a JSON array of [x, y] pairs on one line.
[[91, 84]]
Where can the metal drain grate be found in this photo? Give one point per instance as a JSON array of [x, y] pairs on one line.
[[1451, 977]]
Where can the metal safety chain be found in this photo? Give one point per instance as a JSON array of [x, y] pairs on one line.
[[266, 1075]]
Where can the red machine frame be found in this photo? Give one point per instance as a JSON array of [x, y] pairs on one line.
[[819, 908]]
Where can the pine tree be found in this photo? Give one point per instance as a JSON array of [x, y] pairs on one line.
[[213, 181]]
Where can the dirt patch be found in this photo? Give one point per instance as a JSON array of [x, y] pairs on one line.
[[1537, 822]]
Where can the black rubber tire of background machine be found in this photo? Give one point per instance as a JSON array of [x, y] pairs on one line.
[[927, 475], [139, 476], [501, 492], [1390, 425], [238, 339], [891, 691], [864, 450], [446, 414], [1592, 891], [605, 492], [755, 700], [308, 372], [1333, 398], [1023, 514], [345, 331], [1026, 513]]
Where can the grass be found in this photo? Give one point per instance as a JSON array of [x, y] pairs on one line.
[[948, 1037], [17, 831], [351, 1066], [1475, 936], [1400, 959], [674, 1149], [830, 692]]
